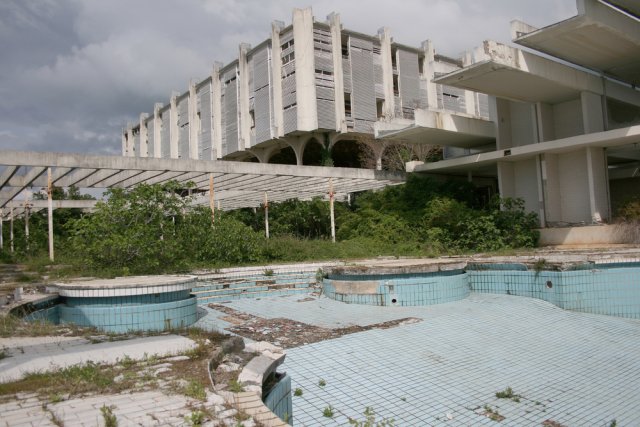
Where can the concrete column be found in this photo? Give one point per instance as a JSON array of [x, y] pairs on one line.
[[500, 113], [298, 144], [194, 125], [266, 215], [173, 127], [592, 114], [264, 153], [307, 108], [130, 145], [551, 187], [216, 109], [124, 143], [506, 181], [244, 127], [1, 231], [429, 74], [276, 80], [331, 212], [144, 136], [157, 131], [387, 73], [598, 184], [338, 73], [544, 121], [541, 194]]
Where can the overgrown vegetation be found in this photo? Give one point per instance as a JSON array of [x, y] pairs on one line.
[[155, 229]]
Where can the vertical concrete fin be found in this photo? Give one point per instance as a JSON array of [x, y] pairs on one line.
[[338, 72], [276, 73], [307, 107], [387, 72]]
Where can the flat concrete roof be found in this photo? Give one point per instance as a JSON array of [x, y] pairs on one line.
[[601, 37], [236, 184]]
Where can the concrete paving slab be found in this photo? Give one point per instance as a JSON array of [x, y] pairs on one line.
[[45, 356]]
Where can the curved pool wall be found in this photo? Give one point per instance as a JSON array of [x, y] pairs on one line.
[[611, 289], [398, 289], [124, 305]]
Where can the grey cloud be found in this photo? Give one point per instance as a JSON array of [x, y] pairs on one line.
[[73, 72]]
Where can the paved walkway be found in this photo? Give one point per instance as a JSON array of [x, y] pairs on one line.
[[572, 368], [42, 353], [151, 408]]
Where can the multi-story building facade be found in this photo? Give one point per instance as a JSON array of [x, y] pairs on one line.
[[311, 86], [567, 116]]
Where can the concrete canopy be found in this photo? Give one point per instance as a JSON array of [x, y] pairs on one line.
[[611, 138], [510, 73], [435, 127], [236, 184], [600, 37]]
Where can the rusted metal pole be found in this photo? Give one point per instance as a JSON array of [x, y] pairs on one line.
[[26, 223], [11, 230], [333, 220], [50, 212], [1, 231], [266, 215], [212, 203]]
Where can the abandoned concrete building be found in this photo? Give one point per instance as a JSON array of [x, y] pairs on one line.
[[555, 122], [310, 86]]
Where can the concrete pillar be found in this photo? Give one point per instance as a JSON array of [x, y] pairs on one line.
[[598, 184], [276, 75], [266, 215], [331, 211], [544, 121], [157, 131], [387, 73], [130, 145], [216, 109], [1, 231], [541, 201], [307, 107], [244, 127], [500, 113], [429, 74], [144, 136], [592, 114], [264, 153], [194, 122], [298, 144], [173, 127], [338, 72], [124, 143], [506, 181], [551, 187]]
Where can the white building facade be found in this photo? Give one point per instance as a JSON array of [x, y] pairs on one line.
[[310, 82]]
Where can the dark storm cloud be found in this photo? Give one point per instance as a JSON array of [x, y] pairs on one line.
[[74, 72]]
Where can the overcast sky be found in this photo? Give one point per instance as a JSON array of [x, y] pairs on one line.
[[74, 72]]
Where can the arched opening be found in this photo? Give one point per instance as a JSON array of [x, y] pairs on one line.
[[286, 156], [312, 155], [347, 154]]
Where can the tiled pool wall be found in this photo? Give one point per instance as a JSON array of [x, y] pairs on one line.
[[404, 289], [279, 399], [150, 312], [599, 289], [611, 289], [120, 318]]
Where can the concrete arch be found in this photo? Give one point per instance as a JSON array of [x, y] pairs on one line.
[[347, 153], [312, 153]]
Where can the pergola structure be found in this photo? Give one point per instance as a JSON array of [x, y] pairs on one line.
[[235, 184]]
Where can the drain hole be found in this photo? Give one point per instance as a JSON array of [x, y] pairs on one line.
[[549, 284], [394, 301]]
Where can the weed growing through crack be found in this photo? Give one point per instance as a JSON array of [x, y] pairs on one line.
[[322, 383], [195, 419], [110, 419], [297, 392], [328, 412], [492, 414], [508, 394], [195, 389], [370, 420]]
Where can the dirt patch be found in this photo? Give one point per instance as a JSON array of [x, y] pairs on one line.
[[287, 333]]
